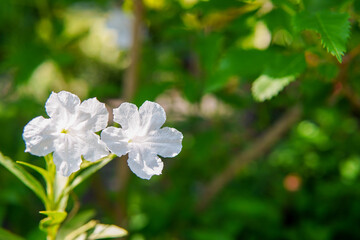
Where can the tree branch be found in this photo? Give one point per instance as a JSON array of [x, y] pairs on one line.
[[341, 84], [131, 75], [261, 145]]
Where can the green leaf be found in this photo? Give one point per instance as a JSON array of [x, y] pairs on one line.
[[282, 71], [52, 222], [26, 58], [266, 87], [210, 234], [40, 170], [99, 231], [76, 222], [282, 66], [53, 218], [245, 63], [5, 234], [79, 232], [25, 177], [81, 237], [333, 27], [237, 62], [107, 231], [208, 58]]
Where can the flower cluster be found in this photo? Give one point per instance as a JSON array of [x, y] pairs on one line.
[[70, 133]]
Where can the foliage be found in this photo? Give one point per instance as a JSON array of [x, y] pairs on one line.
[[225, 72], [56, 197], [333, 27]]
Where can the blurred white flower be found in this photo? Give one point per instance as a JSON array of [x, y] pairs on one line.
[[142, 138], [122, 24], [69, 132]]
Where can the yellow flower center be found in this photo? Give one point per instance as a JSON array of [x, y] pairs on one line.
[[65, 131]]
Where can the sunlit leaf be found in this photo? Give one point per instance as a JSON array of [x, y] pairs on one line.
[[81, 237], [280, 72], [95, 230], [266, 87], [74, 223], [333, 27], [107, 231], [81, 231]]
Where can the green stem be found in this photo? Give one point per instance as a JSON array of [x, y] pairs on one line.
[[50, 183], [51, 195], [58, 189], [50, 238]]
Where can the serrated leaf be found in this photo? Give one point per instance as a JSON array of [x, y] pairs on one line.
[[280, 72], [25, 177], [107, 231], [266, 87], [333, 27]]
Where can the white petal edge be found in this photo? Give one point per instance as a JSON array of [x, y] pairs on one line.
[[38, 136], [152, 116], [99, 114], [116, 140], [127, 115], [59, 105], [144, 163], [95, 148], [165, 142], [67, 156]]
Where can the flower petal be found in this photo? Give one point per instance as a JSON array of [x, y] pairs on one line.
[[94, 148], [144, 163], [67, 156], [165, 142], [62, 105], [99, 114], [116, 140], [79, 122], [127, 115], [152, 117], [38, 136]]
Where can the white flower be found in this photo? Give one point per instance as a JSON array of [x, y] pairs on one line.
[[142, 138], [69, 132]]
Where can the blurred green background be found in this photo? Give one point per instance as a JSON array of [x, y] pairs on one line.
[[270, 117]]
